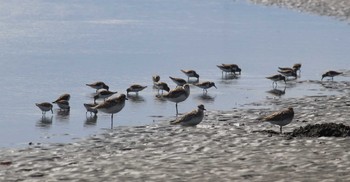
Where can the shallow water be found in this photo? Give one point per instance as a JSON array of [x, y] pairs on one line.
[[50, 48]]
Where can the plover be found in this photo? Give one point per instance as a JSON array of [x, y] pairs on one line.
[[98, 85], [190, 73], [89, 108], [44, 107], [112, 106], [229, 68], [162, 86], [280, 118], [276, 78], [103, 94], [192, 118], [62, 97], [179, 81], [155, 79], [331, 74], [178, 95], [288, 73], [135, 88], [63, 105], [205, 85]]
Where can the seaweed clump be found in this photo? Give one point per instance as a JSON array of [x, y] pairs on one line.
[[322, 130]]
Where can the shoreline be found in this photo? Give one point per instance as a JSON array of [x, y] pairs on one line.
[[334, 8], [227, 145]]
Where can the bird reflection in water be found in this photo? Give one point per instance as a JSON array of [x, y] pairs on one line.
[[90, 120], [62, 115], [206, 98], [277, 92], [136, 98], [44, 122]]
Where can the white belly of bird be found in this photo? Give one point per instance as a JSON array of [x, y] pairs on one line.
[[282, 122], [113, 109]]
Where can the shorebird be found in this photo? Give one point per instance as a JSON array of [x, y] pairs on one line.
[[276, 78], [178, 95], [229, 68], [280, 118], [155, 79], [288, 73], [98, 85], [205, 85], [112, 106], [63, 104], [89, 108], [161, 86], [190, 73], [44, 107], [297, 67], [179, 81], [62, 97], [103, 94], [331, 74], [192, 118], [135, 88]]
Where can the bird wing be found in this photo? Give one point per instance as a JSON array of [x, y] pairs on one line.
[[186, 117], [277, 116]]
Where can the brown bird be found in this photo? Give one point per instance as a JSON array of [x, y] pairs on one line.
[[331, 74], [190, 73], [179, 81], [178, 95], [205, 86], [98, 85], [161, 86], [280, 118], [192, 118], [276, 78], [44, 107], [62, 97], [135, 88]]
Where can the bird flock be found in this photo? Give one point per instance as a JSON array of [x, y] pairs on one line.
[[112, 104]]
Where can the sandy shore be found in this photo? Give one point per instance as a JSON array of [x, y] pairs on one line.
[[335, 8], [226, 146]]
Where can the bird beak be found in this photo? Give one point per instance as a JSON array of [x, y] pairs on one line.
[[215, 87]]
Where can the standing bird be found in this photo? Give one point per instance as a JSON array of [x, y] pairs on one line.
[[179, 81], [89, 108], [62, 97], [63, 104], [190, 73], [288, 73], [331, 74], [98, 85], [135, 88], [229, 68], [112, 106], [205, 85], [44, 107], [280, 118], [276, 78], [103, 94], [155, 79], [178, 95], [192, 118], [297, 67], [162, 86]]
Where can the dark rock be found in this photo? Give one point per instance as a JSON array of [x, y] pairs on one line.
[[322, 130]]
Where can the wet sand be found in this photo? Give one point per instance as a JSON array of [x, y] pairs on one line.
[[334, 8], [226, 146]]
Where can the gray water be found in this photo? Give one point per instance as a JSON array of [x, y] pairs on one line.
[[53, 47]]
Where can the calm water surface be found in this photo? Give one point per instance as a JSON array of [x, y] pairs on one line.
[[54, 47]]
